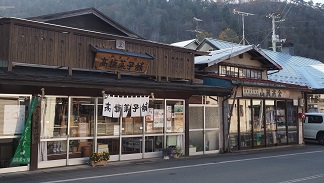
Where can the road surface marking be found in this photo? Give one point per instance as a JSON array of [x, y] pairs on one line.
[[179, 167], [303, 179]]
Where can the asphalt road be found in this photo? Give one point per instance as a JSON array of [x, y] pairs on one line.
[[279, 165]]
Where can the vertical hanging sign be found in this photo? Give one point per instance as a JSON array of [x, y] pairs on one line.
[[144, 106], [107, 107], [22, 154], [117, 106], [136, 107]]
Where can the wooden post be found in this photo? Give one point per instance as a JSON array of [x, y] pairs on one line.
[[9, 66], [187, 127], [118, 76], [70, 71], [35, 137]]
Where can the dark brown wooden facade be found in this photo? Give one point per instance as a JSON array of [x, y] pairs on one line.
[[30, 42]]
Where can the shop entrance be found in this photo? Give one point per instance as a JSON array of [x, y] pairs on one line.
[[132, 138], [258, 125], [274, 122], [74, 127]]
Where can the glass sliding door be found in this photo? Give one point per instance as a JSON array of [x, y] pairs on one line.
[[211, 129], [196, 134], [258, 125], [271, 125], [81, 129], [108, 133], [54, 147], [154, 129], [203, 125], [245, 123], [292, 122], [281, 122], [132, 138]]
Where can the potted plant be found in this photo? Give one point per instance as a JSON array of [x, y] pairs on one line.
[[74, 145], [99, 158], [177, 152]]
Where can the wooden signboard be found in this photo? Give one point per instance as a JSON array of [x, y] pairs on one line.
[[265, 92], [120, 63]]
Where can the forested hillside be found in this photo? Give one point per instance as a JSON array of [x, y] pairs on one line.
[[171, 21]]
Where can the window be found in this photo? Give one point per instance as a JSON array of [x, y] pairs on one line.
[[315, 119], [240, 72]]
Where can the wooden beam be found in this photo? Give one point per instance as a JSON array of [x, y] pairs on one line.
[[118, 76], [9, 66]]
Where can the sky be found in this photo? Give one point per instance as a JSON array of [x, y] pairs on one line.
[[318, 1]]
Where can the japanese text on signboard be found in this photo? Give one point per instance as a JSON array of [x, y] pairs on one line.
[[121, 63], [265, 92], [119, 106]]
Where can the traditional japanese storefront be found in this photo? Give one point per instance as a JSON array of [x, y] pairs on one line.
[[265, 114], [259, 113], [73, 71]]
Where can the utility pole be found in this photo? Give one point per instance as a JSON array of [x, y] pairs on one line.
[[197, 30], [243, 14], [275, 38]]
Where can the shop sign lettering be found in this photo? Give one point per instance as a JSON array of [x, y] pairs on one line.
[[123, 106], [265, 92], [120, 63]]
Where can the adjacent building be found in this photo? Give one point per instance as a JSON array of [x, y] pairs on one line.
[[260, 112]]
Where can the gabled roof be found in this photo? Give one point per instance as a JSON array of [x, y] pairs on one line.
[[295, 69], [186, 43], [298, 70], [84, 19], [217, 56], [217, 44], [220, 55]]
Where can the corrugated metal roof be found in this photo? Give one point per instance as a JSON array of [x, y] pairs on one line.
[[295, 69], [222, 44], [220, 55], [183, 43], [258, 82]]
